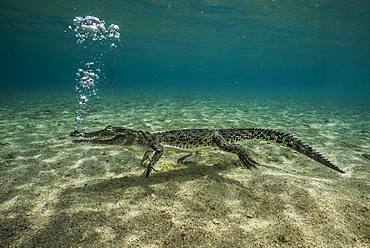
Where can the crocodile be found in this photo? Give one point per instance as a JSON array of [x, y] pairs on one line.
[[193, 140]]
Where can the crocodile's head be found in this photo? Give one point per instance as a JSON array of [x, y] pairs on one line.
[[108, 135]]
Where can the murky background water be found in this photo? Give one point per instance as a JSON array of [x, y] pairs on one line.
[[287, 48]]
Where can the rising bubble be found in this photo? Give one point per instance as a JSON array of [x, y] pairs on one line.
[[91, 33]]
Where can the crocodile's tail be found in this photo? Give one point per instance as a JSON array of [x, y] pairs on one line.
[[289, 141]]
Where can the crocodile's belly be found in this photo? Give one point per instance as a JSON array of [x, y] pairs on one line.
[[183, 147], [139, 148]]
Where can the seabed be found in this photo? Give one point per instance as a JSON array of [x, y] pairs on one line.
[[56, 193]]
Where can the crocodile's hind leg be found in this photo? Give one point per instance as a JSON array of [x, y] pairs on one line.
[[158, 151], [236, 149], [188, 158]]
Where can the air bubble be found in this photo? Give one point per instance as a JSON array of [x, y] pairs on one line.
[[91, 33], [93, 29]]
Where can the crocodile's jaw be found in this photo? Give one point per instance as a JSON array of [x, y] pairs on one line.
[[92, 136], [96, 136], [108, 135]]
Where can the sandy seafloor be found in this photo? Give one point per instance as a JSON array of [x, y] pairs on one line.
[[56, 193]]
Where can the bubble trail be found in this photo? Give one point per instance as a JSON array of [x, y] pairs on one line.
[[93, 34]]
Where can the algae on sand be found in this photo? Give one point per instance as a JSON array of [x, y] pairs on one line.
[[57, 193]]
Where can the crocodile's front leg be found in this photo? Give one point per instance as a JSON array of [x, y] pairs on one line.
[[145, 157], [234, 148], [158, 151]]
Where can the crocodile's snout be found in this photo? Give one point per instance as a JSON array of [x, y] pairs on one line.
[[75, 133]]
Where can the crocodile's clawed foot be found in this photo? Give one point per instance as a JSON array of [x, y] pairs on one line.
[[158, 151], [148, 170], [247, 162], [187, 159], [145, 157], [181, 160]]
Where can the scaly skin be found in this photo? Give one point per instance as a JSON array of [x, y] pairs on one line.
[[191, 140]]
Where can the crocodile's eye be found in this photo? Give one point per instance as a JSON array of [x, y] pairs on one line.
[[109, 128]]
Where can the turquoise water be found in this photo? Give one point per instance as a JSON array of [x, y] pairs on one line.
[[300, 67], [287, 48]]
